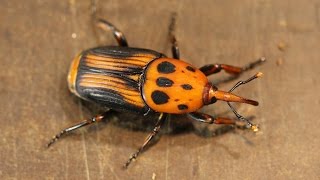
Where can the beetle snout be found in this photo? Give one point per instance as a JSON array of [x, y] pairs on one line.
[[229, 97], [212, 94]]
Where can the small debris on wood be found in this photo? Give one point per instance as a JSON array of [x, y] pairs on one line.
[[279, 61], [282, 46], [283, 23], [154, 176], [74, 35]]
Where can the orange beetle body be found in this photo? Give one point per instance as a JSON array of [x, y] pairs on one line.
[[137, 80]]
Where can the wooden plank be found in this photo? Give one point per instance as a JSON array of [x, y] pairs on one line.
[[40, 38]]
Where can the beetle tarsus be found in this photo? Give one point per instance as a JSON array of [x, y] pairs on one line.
[[156, 129], [132, 158], [76, 126], [56, 138], [254, 64]]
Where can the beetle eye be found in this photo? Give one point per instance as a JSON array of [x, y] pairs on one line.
[[213, 100]]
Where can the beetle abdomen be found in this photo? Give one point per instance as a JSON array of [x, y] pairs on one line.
[[111, 76]]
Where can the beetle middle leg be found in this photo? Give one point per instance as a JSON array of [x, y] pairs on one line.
[[234, 70], [156, 129], [107, 26], [86, 122]]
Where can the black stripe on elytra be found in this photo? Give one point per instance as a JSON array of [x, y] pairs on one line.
[[123, 79], [111, 99], [123, 52], [182, 107], [124, 70], [159, 97], [186, 86], [189, 68], [166, 67], [164, 82]]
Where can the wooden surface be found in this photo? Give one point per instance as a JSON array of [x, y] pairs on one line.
[[40, 38]]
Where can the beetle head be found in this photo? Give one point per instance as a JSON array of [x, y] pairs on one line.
[[212, 94]]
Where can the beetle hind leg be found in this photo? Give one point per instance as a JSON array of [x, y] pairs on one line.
[[107, 26], [156, 129], [86, 122]]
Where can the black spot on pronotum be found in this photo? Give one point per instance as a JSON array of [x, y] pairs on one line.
[[176, 100], [166, 67], [159, 97], [182, 107], [186, 86], [164, 82], [190, 69]]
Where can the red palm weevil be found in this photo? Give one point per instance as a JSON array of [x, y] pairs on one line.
[[145, 81]]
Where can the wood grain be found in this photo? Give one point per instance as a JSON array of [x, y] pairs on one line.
[[40, 38]]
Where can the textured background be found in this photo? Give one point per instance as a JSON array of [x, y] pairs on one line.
[[40, 38]]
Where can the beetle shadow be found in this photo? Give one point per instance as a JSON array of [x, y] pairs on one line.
[[175, 125]]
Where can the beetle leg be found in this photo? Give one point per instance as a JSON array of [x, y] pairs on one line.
[[215, 68], [106, 26], [155, 131], [86, 122], [206, 118], [175, 49]]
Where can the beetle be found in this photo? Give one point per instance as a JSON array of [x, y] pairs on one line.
[[145, 81]]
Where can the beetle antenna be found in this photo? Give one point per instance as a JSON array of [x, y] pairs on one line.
[[252, 126], [240, 117], [259, 74]]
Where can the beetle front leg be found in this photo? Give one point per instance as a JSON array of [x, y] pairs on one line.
[[106, 26], [86, 122], [215, 68], [206, 118], [156, 129], [174, 48]]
